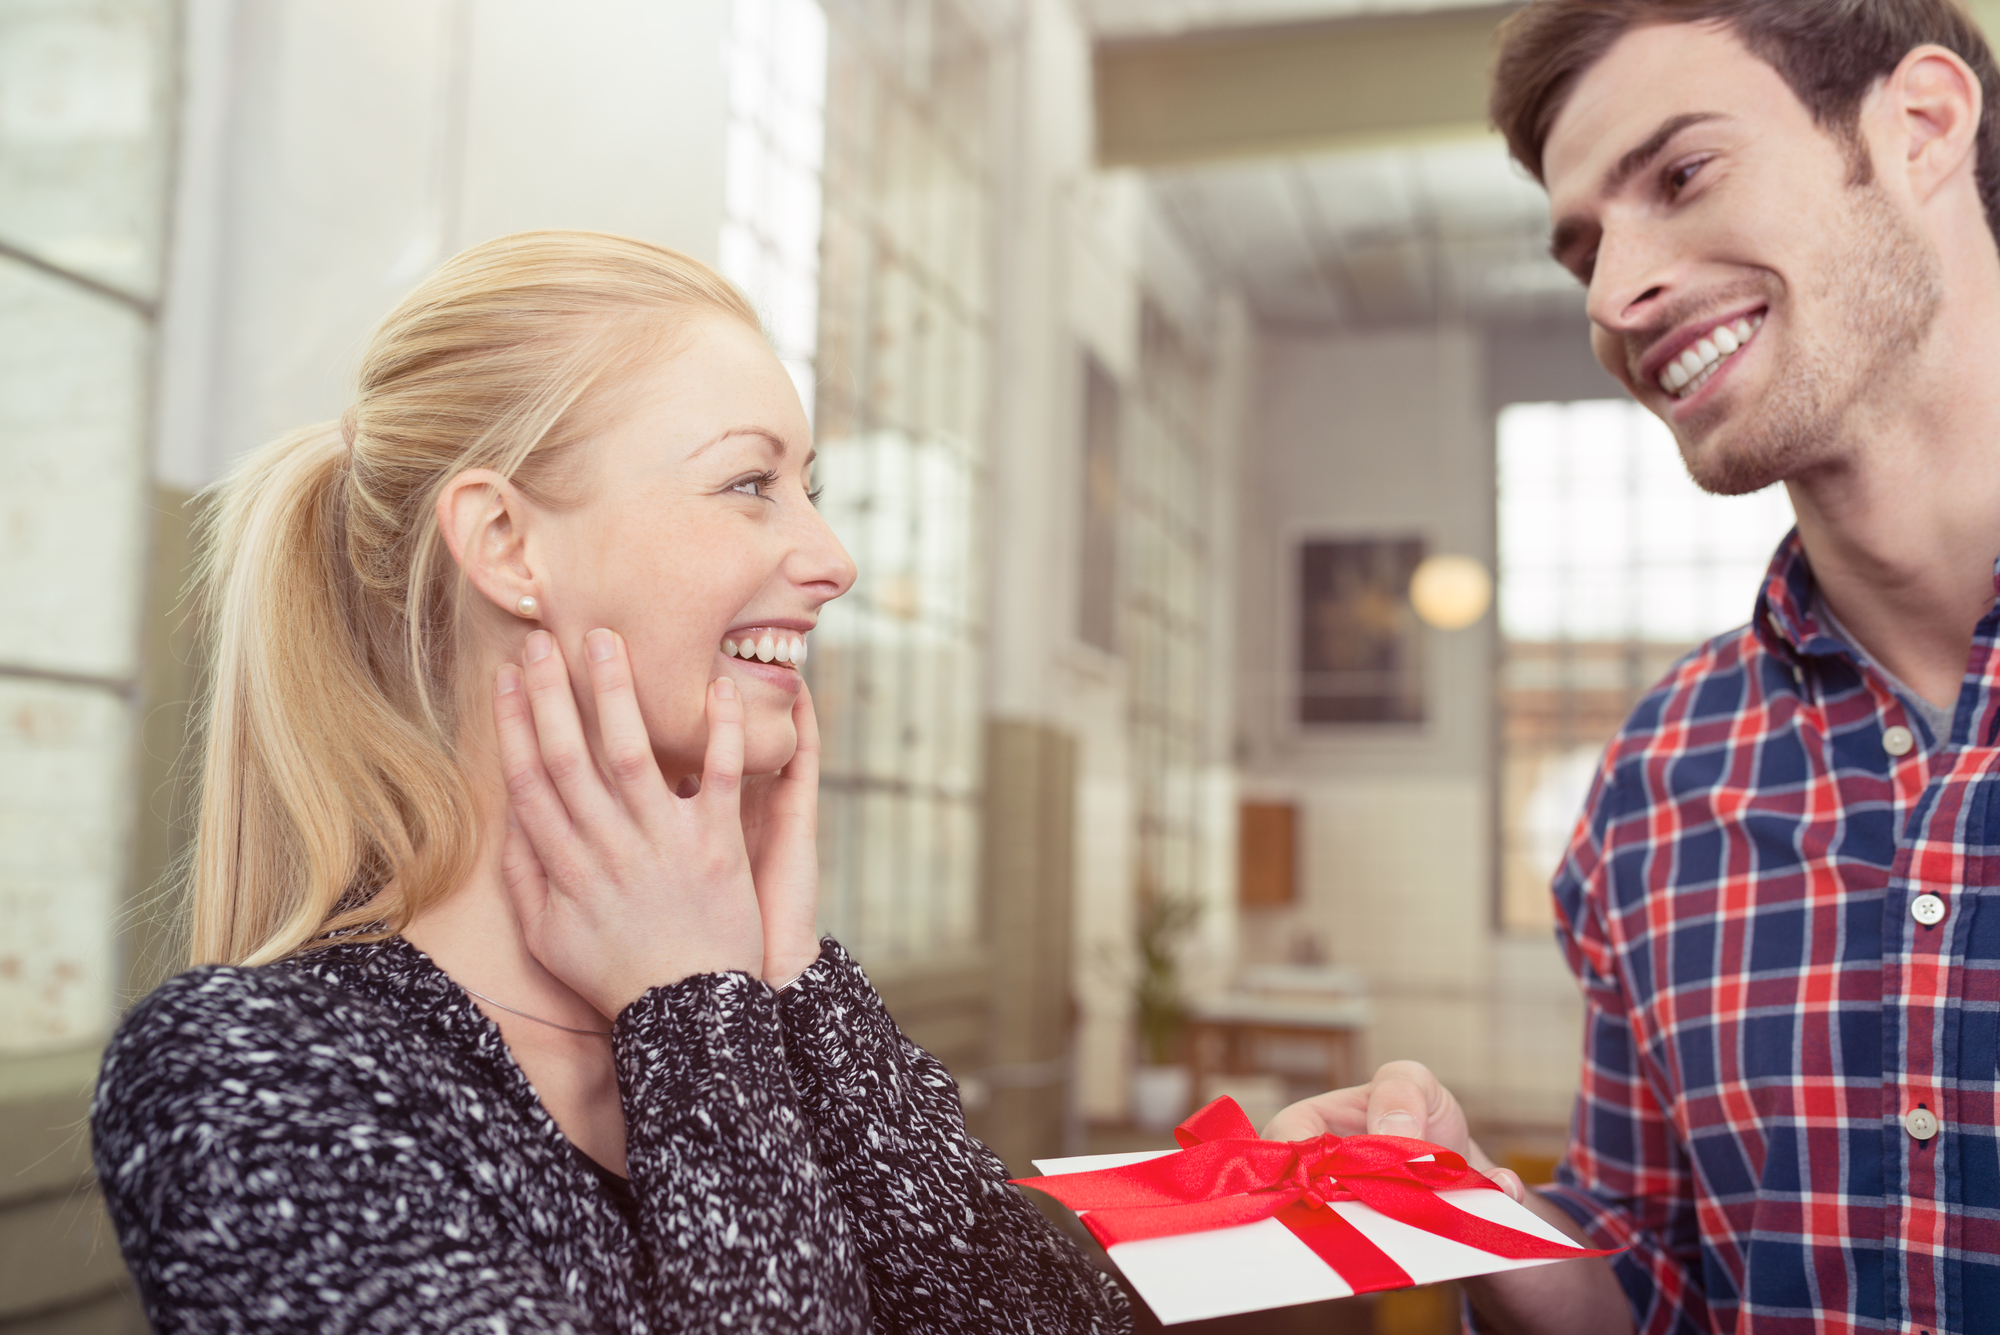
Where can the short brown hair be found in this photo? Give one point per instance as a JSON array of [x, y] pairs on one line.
[[1830, 52]]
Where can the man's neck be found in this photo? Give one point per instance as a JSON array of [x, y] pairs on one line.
[[1903, 529]]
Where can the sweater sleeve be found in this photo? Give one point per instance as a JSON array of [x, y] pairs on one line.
[[949, 1245], [267, 1171], [743, 1218]]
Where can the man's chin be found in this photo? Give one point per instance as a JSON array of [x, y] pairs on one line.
[[1724, 463]]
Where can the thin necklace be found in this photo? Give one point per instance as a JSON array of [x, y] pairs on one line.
[[568, 1029]]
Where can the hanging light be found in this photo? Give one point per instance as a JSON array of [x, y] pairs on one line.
[[1451, 592]]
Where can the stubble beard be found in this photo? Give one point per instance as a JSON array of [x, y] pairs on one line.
[[1876, 302]]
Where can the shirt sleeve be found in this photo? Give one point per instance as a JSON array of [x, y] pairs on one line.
[[266, 1173], [949, 1245], [1625, 1177]]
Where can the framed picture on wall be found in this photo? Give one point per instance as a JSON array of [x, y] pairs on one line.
[[1360, 646]]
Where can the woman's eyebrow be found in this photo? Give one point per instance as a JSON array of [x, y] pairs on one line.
[[768, 436]]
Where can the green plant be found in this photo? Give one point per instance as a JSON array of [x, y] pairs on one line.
[[1165, 921]]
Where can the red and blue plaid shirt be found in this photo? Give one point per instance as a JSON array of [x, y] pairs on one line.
[[1764, 1008]]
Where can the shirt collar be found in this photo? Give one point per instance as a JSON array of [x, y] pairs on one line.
[[1784, 619]]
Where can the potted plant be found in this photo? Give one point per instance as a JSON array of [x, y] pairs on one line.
[[1160, 1083]]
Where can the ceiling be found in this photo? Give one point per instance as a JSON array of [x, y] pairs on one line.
[[1375, 238], [1151, 18], [1411, 233]]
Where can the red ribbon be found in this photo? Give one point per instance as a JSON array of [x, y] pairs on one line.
[[1225, 1176]]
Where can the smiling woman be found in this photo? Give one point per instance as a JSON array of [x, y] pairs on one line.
[[510, 755]]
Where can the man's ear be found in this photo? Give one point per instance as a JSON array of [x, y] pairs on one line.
[[1934, 101], [486, 521]]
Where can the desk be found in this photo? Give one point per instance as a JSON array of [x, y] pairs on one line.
[[1223, 1034]]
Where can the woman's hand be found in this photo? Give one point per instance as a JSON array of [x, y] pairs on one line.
[[620, 885], [781, 828], [1404, 1099]]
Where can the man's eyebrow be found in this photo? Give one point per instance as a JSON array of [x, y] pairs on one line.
[[1570, 231], [1636, 160]]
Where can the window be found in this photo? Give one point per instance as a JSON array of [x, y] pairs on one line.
[[1097, 601], [775, 58], [1613, 564], [902, 353], [1164, 557], [83, 140]]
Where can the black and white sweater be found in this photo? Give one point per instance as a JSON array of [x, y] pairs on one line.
[[342, 1142]]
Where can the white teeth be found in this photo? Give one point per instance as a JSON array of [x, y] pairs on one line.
[[1695, 365], [770, 648]]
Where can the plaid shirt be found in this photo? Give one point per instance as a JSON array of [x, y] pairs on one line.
[[1764, 1008]]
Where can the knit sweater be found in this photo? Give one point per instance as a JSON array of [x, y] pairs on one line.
[[342, 1142]]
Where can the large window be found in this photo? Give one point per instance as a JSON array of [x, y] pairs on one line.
[[83, 140], [1163, 570], [776, 62], [1612, 565], [902, 353]]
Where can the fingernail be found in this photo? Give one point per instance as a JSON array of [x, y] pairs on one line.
[[540, 643], [509, 680], [725, 688], [601, 646], [1404, 1124]]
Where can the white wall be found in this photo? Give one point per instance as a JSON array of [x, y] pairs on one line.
[[1387, 434], [336, 151]]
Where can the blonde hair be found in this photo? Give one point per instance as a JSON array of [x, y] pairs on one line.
[[332, 792]]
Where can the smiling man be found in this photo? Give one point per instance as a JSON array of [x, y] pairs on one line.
[[1783, 898]]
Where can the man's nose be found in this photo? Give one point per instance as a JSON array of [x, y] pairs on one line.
[[1632, 276]]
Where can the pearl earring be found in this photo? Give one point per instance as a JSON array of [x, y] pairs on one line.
[[527, 606]]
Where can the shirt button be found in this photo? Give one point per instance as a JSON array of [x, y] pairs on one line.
[[1921, 1123], [1927, 909], [1898, 740]]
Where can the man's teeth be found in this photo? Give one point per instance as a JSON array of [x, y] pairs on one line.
[[767, 648], [1692, 369]]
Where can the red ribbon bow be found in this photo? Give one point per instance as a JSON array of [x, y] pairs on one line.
[[1225, 1176]]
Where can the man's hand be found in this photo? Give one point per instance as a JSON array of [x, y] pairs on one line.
[[1404, 1099]]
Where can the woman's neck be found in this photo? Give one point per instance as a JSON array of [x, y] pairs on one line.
[[473, 935]]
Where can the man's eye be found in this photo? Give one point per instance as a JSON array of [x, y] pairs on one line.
[[1678, 177]]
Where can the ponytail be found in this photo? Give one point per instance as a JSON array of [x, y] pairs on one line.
[[334, 798]]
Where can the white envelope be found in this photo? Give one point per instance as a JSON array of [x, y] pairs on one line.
[[1254, 1267]]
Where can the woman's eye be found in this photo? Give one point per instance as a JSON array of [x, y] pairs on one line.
[[749, 486], [1678, 177]]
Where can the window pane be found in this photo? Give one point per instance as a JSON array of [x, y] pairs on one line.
[[82, 136], [900, 371], [1612, 565]]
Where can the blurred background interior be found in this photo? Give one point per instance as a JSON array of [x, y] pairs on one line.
[[1253, 559]]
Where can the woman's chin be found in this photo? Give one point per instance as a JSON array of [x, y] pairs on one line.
[[768, 749]]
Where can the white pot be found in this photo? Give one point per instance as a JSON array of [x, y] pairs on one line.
[[1159, 1096]]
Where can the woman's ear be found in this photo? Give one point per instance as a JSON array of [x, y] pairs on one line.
[[486, 521]]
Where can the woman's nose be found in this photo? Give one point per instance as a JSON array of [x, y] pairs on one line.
[[822, 559]]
